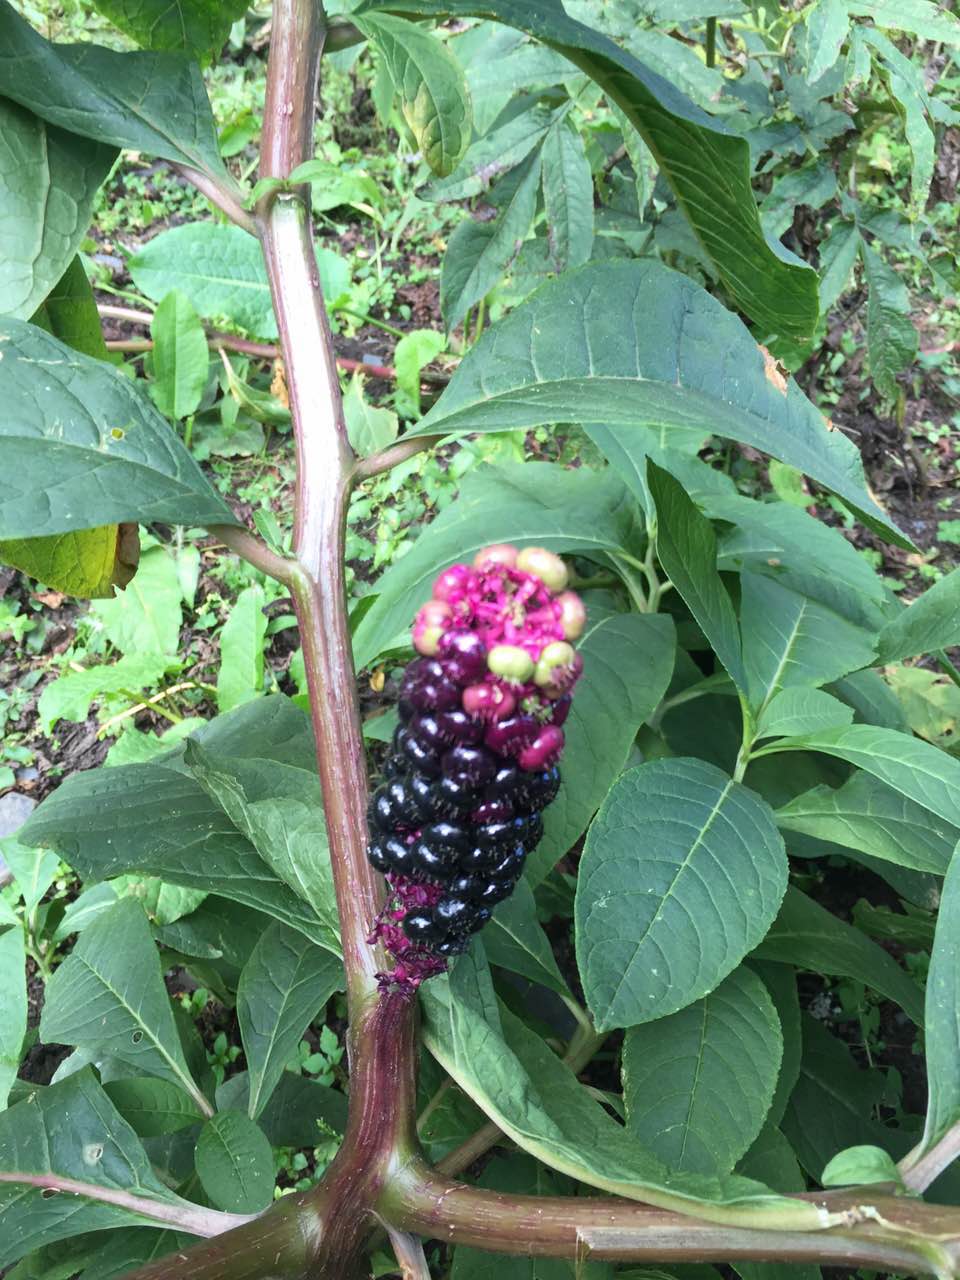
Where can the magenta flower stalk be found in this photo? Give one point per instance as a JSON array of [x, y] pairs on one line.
[[473, 762]]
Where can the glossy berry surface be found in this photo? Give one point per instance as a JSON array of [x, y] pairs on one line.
[[473, 762]]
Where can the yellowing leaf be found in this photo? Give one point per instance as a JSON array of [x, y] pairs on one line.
[[87, 563]]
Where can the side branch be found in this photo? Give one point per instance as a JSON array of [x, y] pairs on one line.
[[884, 1232]]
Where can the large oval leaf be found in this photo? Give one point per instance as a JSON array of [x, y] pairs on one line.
[[150, 102], [82, 447], [521, 1084], [698, 1084], [633, 344], [682, 874]]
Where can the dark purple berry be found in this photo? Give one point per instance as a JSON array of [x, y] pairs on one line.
[[503, 784], [561, 709], [465, 886], [419, 670], [495, 835], [530, 832], [458, 727], [454, 946], [478, 860], [509, 737], [479, 918], [464, 656], [435, 861], [492, 811], [378, 856], [475, 763], [454, 792], [495, 891], [510, 864], [452, 913], [421, 790], [420, 926], [450, 834], [537, 790], [422, 757], [394, 767], [434, 695], [405, 710]]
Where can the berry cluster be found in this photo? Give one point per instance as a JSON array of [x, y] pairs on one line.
[[473, 761]]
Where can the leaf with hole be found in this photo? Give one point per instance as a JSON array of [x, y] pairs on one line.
[[683, 872], [108, 995], [83, 447]]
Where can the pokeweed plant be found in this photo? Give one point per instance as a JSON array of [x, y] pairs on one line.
[[729, 727]]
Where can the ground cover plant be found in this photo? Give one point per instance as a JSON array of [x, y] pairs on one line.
[[577, 503]]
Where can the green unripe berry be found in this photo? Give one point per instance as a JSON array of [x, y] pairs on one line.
[[510, 662], [543, 564], [554, 656]]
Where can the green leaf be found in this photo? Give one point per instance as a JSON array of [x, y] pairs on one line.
[[492, 155], [70, 695], [771, 1160], [942, 1038], [234, 1163], [567, 196], [870, 816], [152, 1107], [833, 1104], [682, 874], [872, 699], [34, 871], [628, 661], [781, 982], [220, 269], [687, 549], [707, 166], [130, 1248], [283, 987], [921, 17], [859, 1166], [478, 253], [908, 90], [109, 995], [149, 102], [163, 903], [70, 313], [527, 503], [790, 640], [277, 806], [431, 85], [698, 1084], [891, 337], [838, 253], [520, 1083], [369, 427], [634, 344], [828, 22], [70, 1133], [806, 935], [13, 1006], [48, 183], [181, 360], [412, 352], [83, 910], [240, 676], [145, 619], [916, 769], [514, 940], [801, 710], [195, 27], [83, 447], [930, 622]]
